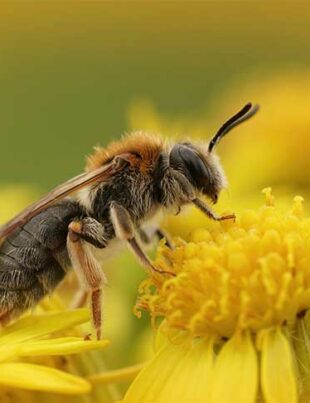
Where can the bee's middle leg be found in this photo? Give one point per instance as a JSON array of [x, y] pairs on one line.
[[124, 230], [147, 235], [88, 269]]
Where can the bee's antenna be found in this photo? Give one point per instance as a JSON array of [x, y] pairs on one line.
[[246, 113]]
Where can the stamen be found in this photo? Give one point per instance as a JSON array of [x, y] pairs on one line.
[[248, 276]]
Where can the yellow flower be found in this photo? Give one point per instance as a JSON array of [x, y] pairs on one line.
[[28, 338], [235, 317]]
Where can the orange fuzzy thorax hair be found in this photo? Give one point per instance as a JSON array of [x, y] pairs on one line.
[[148, 146]]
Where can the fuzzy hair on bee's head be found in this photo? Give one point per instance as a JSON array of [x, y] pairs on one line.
[[219, 180]]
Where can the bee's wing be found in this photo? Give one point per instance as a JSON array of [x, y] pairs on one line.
[[61, 191]]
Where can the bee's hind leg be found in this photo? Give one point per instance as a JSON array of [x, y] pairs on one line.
[[88, 270], [124, 230]]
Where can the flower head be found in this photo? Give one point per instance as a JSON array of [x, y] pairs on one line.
[[235, 313]]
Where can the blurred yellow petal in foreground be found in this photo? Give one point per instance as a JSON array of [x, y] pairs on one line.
[[27, 338], [235, 316], [39, 377]]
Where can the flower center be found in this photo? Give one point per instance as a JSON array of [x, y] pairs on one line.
[[250, 274]]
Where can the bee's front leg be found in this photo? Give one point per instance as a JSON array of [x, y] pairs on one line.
[[124, 230], [88, 269], [210, 213]]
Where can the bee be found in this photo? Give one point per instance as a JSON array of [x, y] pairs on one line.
[[123, 186]]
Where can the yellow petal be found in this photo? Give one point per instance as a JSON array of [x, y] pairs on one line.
[[177, 374], [278, 376], [9, 352], [65, 345], [235, 377], [302, 351], [37, 377], [37, 326]]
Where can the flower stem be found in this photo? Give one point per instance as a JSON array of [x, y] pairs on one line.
[[117, 375]]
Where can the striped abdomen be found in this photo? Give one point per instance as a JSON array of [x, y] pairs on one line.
[[34, 259]]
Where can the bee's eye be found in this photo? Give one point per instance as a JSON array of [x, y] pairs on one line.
[[186, 159]]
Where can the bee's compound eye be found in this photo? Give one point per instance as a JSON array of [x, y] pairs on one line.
[[187, 159]]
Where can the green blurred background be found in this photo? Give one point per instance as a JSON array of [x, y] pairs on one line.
[[77, 74], [69, 71]]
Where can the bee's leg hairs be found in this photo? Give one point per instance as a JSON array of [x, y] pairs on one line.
[[88, 269], [90, 230]]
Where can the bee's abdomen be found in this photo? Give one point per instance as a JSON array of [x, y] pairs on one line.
[[34, 259]]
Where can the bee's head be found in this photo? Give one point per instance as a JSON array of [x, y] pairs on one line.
[[201, 167], [203, 170]]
